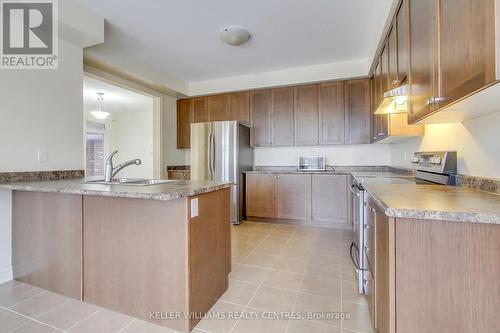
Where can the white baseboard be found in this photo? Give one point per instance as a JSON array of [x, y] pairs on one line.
[[6, 275]]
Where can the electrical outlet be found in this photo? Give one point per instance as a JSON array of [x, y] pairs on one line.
[[42, 156], [194, 207]]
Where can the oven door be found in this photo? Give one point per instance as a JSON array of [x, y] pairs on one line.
[[356, 249]]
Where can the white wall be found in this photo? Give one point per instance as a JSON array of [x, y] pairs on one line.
[[476, 141], [5, 235], [131, 133], [335, 155], [297, 75], [42, 109]]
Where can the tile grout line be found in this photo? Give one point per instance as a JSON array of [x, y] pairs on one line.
[[124, 327], [298, 293], [254, 293], [81, 321], [32, 319], [27, 299]]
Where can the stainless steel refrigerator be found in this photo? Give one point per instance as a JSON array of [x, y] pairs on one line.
[[221, 151]]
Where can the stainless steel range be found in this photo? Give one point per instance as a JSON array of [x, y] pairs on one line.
[[438, 167]]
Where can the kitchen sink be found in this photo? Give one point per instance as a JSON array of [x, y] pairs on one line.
[[131, 182]]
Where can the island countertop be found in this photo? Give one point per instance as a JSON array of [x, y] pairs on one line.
[[175, 189]]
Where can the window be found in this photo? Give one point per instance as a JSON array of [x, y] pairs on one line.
[[94, 138]]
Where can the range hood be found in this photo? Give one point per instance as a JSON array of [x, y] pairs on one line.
[[395, 101]]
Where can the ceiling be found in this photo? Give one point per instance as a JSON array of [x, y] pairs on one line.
[[116, 99], [181, 37]]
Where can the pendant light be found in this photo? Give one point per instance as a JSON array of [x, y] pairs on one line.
[[100, 113]]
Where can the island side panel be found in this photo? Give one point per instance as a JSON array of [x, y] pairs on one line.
[[209, 251], [135, 257], [447, 276], [47, 241]]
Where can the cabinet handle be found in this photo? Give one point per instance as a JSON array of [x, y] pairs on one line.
[[366, 226]]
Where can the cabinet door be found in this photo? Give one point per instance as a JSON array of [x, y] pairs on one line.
[[467, 47], [183, 123], [423, 55], [306, 115], [383, 282], [260, 111], [377, 81], [392, 53], [199, 110], [294, 196], [402, 41], [384, 58], [332, 113], [282, 116], [260, 195], [218, 107], [358, 115], [239, 107], [329, 199]]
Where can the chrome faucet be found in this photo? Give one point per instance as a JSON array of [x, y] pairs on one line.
[[112, 171]]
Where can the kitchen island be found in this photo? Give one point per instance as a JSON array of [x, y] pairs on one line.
[[159, 253]]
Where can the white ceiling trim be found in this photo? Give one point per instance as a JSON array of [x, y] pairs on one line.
[[297, 75]]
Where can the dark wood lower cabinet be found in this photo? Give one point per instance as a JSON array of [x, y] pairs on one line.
[[294, 196], [319, 200], [434, 276]]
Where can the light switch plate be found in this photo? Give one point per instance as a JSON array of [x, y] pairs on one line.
[[194, 207], [42, 155]]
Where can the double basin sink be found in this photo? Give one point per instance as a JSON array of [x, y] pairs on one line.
[[131, 182]]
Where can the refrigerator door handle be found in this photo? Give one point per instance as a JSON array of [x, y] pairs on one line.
[[209, 155], [213, 155]]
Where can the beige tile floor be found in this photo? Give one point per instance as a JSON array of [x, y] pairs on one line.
[[276, 269], [281, 268]]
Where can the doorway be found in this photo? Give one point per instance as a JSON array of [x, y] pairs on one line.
[[117, 119]]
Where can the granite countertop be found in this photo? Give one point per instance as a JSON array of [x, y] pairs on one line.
[[368, 171], [435, 202], [175, 189]]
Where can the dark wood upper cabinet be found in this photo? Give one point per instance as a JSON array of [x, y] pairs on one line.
[[358, 111], [306, 115], [466, 47], [218, 106], [423, 55], [332, 113], [377, 82], [260, 110], [183, 123], [392, 54], [239, 107], [402, 39], [384, 79], [282, 116], [199, 110]]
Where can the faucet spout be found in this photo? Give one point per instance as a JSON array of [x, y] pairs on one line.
[[111, 171], [122, 166]]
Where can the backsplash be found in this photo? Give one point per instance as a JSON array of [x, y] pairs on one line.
[[31, 176]]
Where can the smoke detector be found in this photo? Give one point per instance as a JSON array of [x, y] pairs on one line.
[[234, 36]]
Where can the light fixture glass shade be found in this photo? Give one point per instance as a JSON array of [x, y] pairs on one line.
[[101, 115]]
